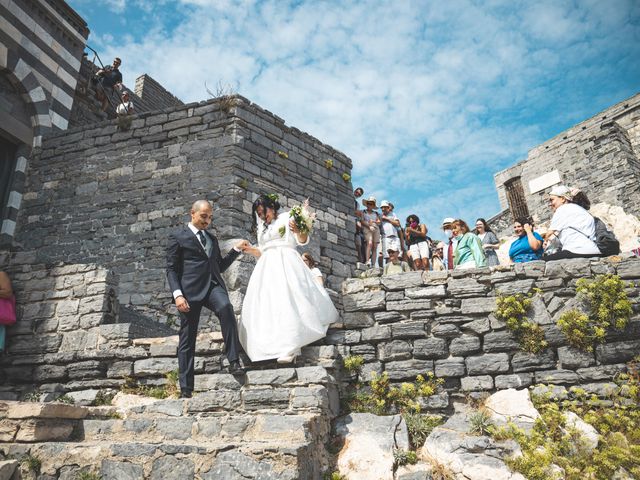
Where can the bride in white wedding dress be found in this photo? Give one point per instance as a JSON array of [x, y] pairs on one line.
[[284, 308]]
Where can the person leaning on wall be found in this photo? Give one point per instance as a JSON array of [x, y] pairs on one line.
[[7, 307]]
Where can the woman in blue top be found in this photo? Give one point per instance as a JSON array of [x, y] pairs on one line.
[[528, 246]]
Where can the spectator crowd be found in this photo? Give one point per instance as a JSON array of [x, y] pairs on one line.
[[381, 239]]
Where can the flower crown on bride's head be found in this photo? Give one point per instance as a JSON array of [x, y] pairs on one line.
[[273, 197]]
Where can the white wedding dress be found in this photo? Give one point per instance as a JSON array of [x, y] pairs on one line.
[[284, 308]]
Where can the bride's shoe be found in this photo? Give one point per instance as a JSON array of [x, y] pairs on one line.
[[288, 358]]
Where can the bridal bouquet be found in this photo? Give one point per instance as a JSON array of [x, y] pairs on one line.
[[302, 217]]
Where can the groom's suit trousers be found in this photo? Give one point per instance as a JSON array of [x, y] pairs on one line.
[[216, 300]]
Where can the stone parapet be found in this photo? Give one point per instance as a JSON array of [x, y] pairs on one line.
[[413, 323]]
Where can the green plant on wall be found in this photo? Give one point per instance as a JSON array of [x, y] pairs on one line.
[[346, 177], [328, 163], [608, 307], [513, 309]]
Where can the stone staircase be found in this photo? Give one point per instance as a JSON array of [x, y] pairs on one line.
[[271, 424]]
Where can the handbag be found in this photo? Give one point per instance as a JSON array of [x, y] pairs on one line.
[[8, 310]]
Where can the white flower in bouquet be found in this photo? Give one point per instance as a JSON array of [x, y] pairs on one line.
[[302, 217]]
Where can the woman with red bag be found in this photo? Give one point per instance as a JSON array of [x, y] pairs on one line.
[[7, 306]]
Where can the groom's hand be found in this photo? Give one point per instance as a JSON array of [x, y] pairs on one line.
[[243, 245], [182, 304]]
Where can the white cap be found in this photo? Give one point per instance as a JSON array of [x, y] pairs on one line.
[[561, 191], [384, 203], [448, 220]]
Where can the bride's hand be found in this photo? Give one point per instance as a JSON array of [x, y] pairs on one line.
[[293, 227]]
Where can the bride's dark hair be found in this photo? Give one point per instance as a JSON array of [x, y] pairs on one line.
[[266, 201]]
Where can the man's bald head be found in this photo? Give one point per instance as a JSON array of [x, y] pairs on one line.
[[201, 214]]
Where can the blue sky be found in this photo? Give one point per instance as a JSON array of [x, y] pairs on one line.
[[428, 98]]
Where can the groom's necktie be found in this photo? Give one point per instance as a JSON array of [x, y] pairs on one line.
[[203, 239]]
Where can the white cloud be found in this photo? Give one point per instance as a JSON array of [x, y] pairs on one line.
[[440, 95]]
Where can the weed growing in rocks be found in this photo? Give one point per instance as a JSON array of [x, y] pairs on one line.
[[555, 449], [65, 399], [419, 426], [87, 476], [169, 390], [404, 457], [334, 476], [480, 423], [513, 309], [608, 307], [353, 364], [439, 470], [103, 397], [32, 464], [31, 397]]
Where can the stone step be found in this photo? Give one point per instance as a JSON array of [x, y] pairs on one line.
[[122, 460]]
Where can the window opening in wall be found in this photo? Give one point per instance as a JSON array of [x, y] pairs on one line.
[[516, 198], [7, 167]]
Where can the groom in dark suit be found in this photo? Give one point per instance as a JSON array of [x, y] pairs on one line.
[[194, 271]]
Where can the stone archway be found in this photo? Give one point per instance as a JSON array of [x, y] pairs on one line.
[[24, 119]]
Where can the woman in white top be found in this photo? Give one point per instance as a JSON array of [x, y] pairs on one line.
[[572, 225], [284, 307]]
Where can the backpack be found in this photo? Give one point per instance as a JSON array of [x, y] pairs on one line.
[[606, 240]]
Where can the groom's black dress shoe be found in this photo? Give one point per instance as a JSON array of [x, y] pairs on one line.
[[185, 394], [235, 368]]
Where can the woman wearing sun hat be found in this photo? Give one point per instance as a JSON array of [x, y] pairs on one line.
[[572, 225], [371, 228]]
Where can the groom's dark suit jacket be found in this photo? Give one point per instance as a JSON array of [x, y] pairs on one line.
[[190, 269]]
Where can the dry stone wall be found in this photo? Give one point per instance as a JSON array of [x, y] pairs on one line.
[[109, 197], [413, 323]]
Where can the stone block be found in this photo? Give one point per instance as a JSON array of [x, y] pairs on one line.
[[411, 329], [133, 450], [114, 470], [395, 296], [49, 373], [629, 268], [602, 372], [474, 384], [212, 401], [376, 333], [498, 277], [513, 288], [44, 430], [408, 369], [617, 352], [86, 370], [430, 348], [434, 291], [270, 377], [371, 300], [450, 367], [502, 341], [445, 330], [519, 380], [410, 305], [314, 397], [557, 377], [478, 327], [573, 358], [527, 362], [120, 369], [464, 345], [265, 398], [478, 305], [8, 468], [154, 366], [174, 428], [45, 410], [402, 281], [434, 278], [466, 287], [313, 374], [395, 350], [488, 363], [388, 317], [357, 319]]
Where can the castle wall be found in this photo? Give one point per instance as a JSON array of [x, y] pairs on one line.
[[110, 197], [600, 156]]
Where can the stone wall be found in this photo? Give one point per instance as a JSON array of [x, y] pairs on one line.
[[110, 197], [601, 156], [441, 322]]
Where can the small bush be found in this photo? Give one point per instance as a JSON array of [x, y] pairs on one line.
[[608, 307], [420, 427], [84, 475], [385, 399], [334, 476], [513, 309], [31, 397], [103, 398], [353, 364], [404, 457], [170, 389]]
